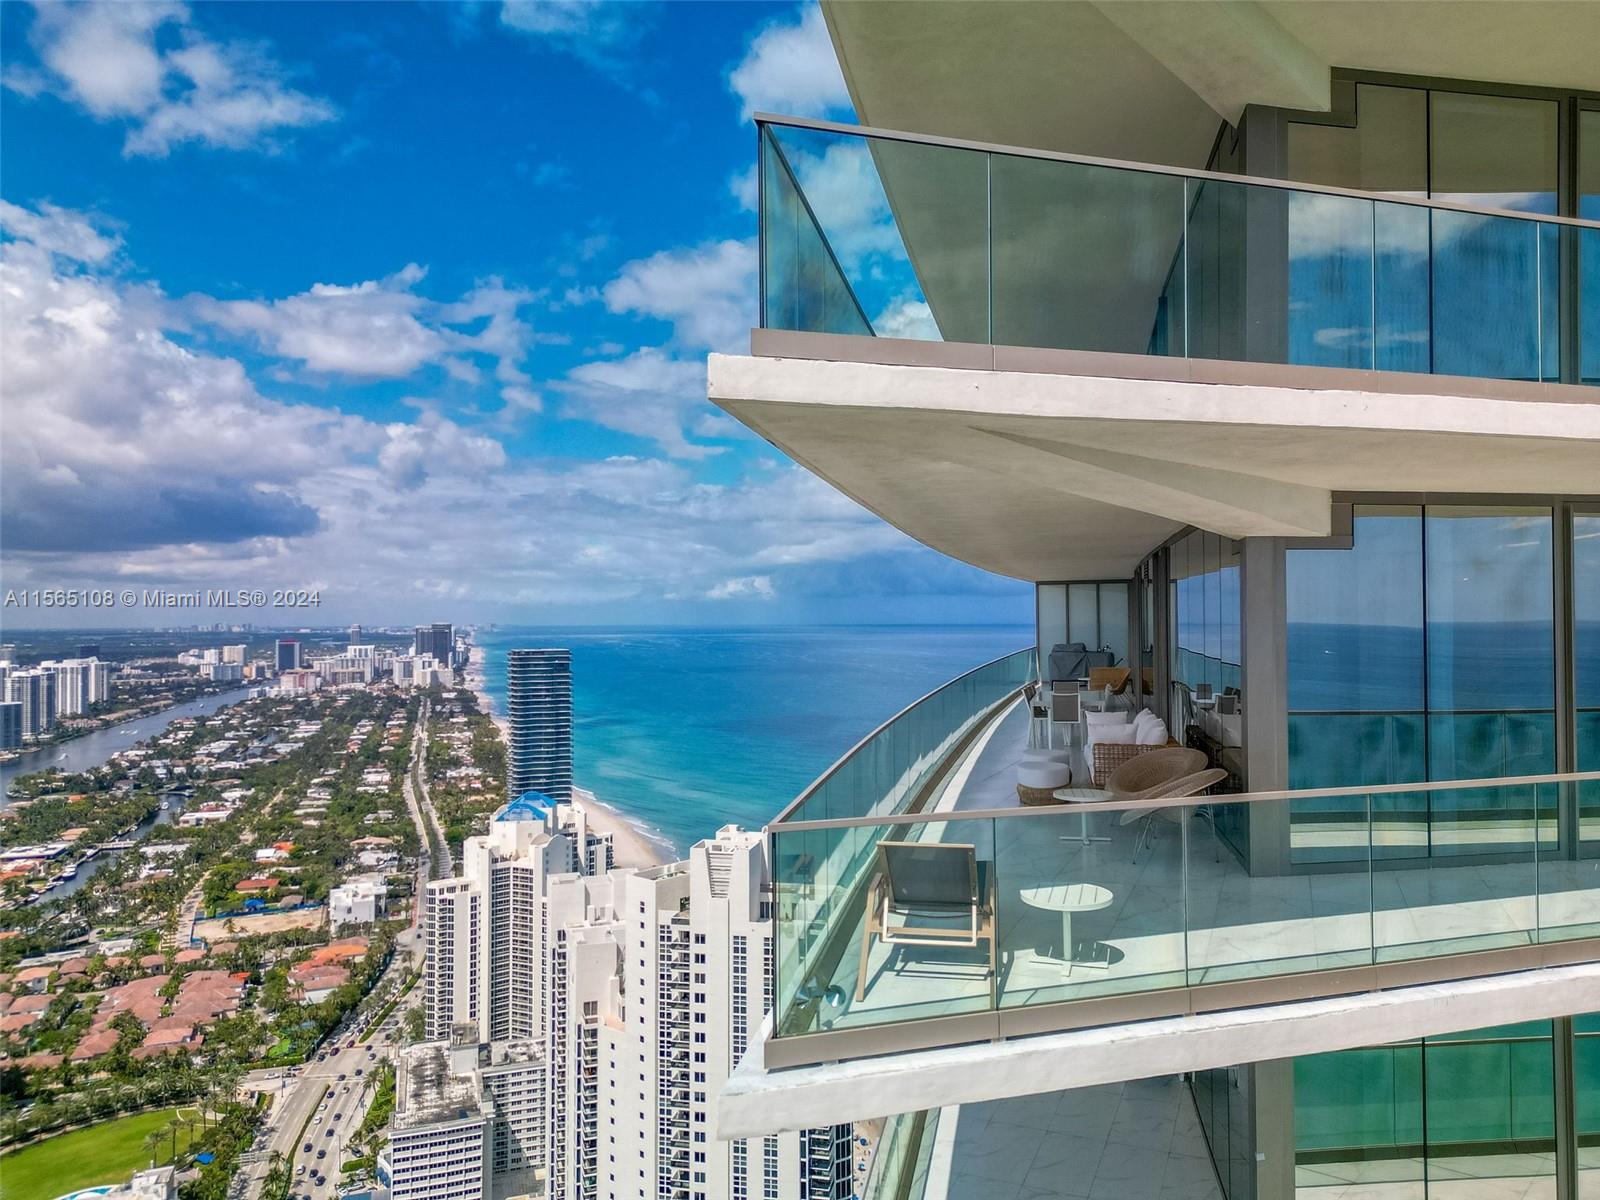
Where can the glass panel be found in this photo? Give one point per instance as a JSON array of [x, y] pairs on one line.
[[1358, 1120], [1052, 617], [1330, 281], [1386, 150], [1215, 291], [1494, 151], [942, 209], [1490, 1107], [804, 286], [1586, 668], [1586, 1075], [1083, 614], [1491, 667], [1402, 289], [1082, 255], [1589, 244], [1486, 296], [1114, 621], [1068, 880]]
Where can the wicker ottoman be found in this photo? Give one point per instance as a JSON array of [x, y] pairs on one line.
[[1038, 780]]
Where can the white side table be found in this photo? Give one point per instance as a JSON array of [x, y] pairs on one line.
[[1066, 899], [1077, 795]]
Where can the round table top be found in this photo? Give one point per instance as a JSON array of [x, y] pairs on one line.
[[1077, 795], [1067, 897]]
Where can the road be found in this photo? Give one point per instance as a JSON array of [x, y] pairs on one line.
[[422, 810]]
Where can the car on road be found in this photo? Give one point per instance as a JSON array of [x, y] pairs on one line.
[[307, 1148], [322, 1154]]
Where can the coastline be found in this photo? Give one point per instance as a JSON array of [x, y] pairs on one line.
[[633, 845]]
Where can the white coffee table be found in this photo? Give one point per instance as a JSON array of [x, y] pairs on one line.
[[1077, 795], [1066, 899]]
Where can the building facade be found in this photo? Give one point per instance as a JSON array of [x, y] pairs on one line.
[[539, 717], [286, 654], [1201, 342]]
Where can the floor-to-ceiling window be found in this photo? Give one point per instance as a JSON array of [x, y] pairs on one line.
[[1206, 705], [1466, 1115], [1426, 650], [1092, 616], [1586, 669], [1589, 245]]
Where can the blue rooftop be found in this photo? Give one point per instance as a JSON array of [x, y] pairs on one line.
[[529, 806]]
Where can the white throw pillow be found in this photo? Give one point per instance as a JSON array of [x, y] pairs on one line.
[[1119, 717], [1146, 720], [1151, 733], [1115, 735]]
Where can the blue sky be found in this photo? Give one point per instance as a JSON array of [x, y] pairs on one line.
[[410, 304]]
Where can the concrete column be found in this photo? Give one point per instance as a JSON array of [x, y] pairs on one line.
[[1263, 619]]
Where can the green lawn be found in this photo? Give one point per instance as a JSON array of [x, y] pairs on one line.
[[107, 1153]]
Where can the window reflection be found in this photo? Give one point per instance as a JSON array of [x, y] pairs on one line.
[[1586, 666]]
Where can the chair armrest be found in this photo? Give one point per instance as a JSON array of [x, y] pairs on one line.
[[1108, 756]]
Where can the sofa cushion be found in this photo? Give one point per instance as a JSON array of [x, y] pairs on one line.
[[1115, 717]]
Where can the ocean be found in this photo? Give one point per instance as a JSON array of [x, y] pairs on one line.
[[685, 730]]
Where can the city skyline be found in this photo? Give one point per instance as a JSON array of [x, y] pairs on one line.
[[515, 335]]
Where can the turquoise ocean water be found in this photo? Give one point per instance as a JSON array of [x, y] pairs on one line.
[[685, 730]]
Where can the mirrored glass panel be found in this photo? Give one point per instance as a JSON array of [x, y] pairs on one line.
[[1493, 151], [1586, 669]]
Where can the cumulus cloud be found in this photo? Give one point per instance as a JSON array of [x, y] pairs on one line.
[[106, 58], [134, 458], [790, 68], [649, 393], [706, 292], [386, 329]]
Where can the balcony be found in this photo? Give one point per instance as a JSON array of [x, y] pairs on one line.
[[1389, 890], [884, 234]]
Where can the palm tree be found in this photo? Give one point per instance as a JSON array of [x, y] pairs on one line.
[[152, 1142], [172, 1128]]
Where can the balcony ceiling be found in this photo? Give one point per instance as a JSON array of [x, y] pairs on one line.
[[1150, 81], [1039, 475]]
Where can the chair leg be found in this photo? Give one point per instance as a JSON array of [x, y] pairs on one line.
[[861, 975]]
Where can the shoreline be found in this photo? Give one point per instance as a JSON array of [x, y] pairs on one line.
[[633, 843]]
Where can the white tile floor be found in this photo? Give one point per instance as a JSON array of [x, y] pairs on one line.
[[1128, 1141]]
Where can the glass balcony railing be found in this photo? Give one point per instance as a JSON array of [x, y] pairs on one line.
[[878, 234], [1117, 899], [894, 768]]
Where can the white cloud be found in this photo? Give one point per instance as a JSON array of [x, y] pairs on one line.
[[790, 68], [106, 58], [745, 188], [58, 231], [907, 318], [649, 394], [744, 587], [593, 31], [386, 329], [130, 458], [707, 292]]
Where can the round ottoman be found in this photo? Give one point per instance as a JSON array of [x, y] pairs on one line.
[[1037, 780]]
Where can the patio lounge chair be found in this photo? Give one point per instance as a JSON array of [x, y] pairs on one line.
[[1189, 785], [928, 894]]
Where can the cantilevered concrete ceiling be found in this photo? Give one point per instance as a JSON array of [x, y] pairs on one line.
[[1150, 80], [1042, 475]]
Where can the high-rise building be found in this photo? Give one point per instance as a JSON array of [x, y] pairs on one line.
[[34, 688], [8, 652], [235, 653], [642, 990], [89, 650], [286, 654], [539, 719], [442, 1130], [78, 684], [437, 641], [1198, 344], [10, 724], [488, 921]]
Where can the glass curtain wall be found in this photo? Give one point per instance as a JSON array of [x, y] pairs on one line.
[[1093, 616], [1425, 651], [1206, 702], [1464, 1115], [1586, 670], [1430, 276], [1589, 245]]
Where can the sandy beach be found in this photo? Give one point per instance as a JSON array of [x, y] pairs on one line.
[[632, 845]]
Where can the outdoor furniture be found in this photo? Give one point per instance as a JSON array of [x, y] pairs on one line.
[[1038, 779], [1106, 751], [1066, 899], [1077, 795], [1189, 785], [928, 894], [1039, 714], [1109, 682], [1138, 779], [1068, 660]]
